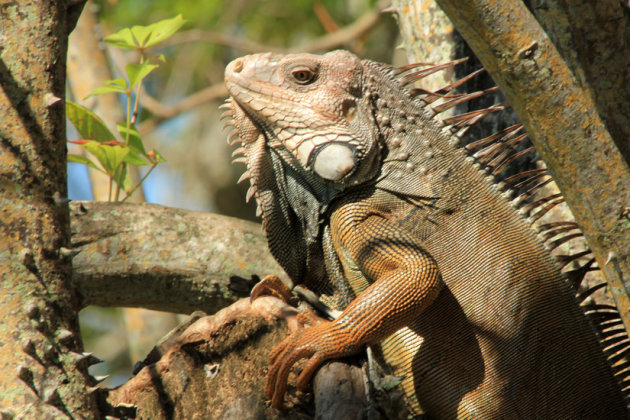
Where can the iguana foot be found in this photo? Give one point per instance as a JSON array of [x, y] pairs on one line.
[[318, 343]]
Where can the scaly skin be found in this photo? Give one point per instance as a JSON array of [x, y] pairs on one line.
[[367, 200], [413, 281]]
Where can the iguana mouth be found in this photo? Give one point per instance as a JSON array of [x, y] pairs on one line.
[[244, 118]]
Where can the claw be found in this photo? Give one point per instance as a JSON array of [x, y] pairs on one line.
[[304, 380], [272, 286], [316, 344]]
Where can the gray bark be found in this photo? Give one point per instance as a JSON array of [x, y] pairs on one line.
[[44, 373], [154, 257]]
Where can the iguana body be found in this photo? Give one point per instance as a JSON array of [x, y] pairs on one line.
[[367, 200]]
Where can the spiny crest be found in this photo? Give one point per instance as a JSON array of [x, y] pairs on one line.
[[240, 154], [495, 154], [443, 99]]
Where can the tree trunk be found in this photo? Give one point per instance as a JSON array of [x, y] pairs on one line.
[[590, 36], [44, 372]]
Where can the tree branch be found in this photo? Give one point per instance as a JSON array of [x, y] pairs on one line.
[[162, 112], [144, 255], [343, 36], [221, 360], [356, 29]]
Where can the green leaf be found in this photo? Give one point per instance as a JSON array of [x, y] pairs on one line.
[[110, 156], [135, 141], [87, 123], [141, 37], [122, 39], [84, 160], [118, 85], [137, 72], [159, 31], [133, 158]]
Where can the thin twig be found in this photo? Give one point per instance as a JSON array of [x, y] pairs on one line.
[[140, 182], [209, 94], [345, 35], [324, 17]]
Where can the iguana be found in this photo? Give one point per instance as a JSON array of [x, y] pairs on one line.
[[368, 199]]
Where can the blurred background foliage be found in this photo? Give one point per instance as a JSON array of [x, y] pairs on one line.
[[179, 115]]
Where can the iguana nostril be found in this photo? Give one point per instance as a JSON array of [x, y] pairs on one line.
[[238, 66]]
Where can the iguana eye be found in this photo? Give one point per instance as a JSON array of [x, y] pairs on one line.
[[303, 75]]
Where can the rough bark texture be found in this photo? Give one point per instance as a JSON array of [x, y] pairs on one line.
[[593, 38], [428, 36], [337, 389], [564, 125], [144, 255], [216, 367], [44, 376]]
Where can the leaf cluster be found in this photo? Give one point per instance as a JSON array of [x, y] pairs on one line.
[[109, 155]]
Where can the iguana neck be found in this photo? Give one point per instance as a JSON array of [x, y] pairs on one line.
[[419, 153]]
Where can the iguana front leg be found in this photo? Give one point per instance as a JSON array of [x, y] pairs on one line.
[[404, 281]]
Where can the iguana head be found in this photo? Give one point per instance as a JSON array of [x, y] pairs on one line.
[[333, 121], [309, 110]]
